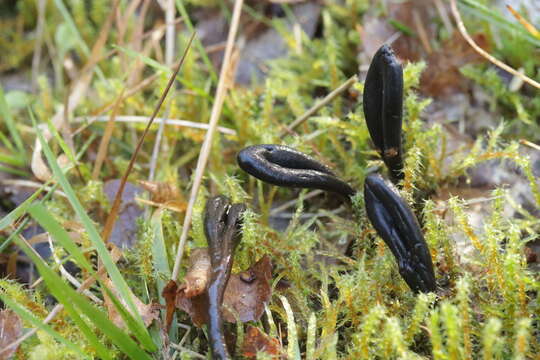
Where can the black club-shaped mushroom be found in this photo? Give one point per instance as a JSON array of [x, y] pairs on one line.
[[285, 166], [383, 107], [397, 226], [222, 224]]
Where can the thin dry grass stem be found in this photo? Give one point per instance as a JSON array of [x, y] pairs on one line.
[[347, 84], [111, 219], [104, 144], [122, 21], [527, 25], [169, 51], [482, 52], [39, 40], [207, 144], [441, 9], [422, 33], [529, 144], [291, 203], [59, 307], [136, 42], [144, 83], [144, 119], [68, 276], [38, 166]]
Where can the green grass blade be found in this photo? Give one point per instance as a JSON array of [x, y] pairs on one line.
[[15, 171], [11, 159], [6, 142], [91, 230], [50, 225], [159, 253], [22, 208], [311, 341], [10, 123], [75, 303], [293, 348], [63, 294], [29, 317], [139, 332]]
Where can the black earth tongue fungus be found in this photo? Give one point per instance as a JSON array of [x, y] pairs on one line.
[[398, 227], [383, 107], [222, 225], [284, 166]]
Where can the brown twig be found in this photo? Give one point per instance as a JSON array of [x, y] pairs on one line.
[[482, 52], [207, 144], [111, 219]]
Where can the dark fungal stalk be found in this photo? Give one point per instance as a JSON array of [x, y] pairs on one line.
[[383, 107], [222, 223], [285, 166], [397, 226]]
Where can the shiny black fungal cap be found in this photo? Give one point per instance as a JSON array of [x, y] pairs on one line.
[[222, 224], [397, 226], [383, 107], [285, 166]]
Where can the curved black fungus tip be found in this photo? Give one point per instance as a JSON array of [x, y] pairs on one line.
[[222, 224], [383, 106], [397, 226], [285, 166]]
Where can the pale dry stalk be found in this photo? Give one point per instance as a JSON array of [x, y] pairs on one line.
[[207, 144], [478, 49]]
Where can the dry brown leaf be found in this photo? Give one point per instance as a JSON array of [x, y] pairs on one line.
[[248, 292], [197, 276], [10, 330], [169, 294], [442, 76], [246, 295], [162, 191], [124, 231], [196, 307], [148, 312], [256, 341]]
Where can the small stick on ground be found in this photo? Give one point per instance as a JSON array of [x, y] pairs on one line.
[[347, 84], [478, 49], [207, 144]]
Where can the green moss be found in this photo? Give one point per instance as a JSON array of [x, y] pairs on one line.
[[353, 306]]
